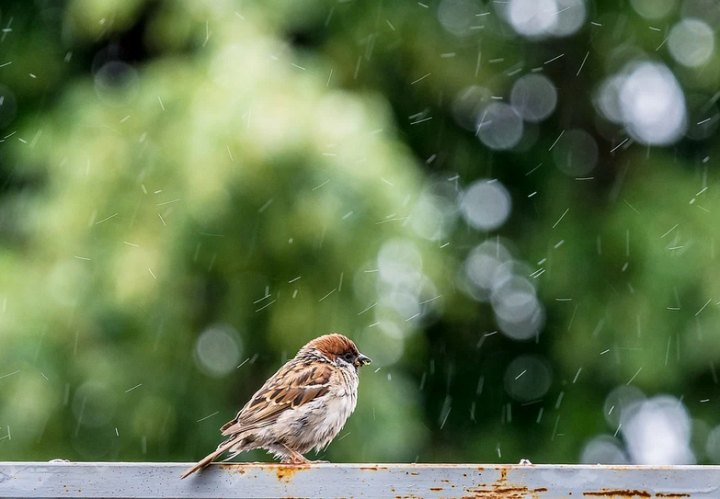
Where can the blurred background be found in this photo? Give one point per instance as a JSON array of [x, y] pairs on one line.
[[509, 206]]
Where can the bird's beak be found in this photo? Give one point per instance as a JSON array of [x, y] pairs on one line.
[[361, 360]]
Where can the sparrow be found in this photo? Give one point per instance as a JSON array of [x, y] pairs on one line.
[[304, 405]]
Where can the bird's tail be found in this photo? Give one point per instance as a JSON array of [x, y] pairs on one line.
[[210, 457]]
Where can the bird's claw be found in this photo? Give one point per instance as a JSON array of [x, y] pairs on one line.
[[297, 460]]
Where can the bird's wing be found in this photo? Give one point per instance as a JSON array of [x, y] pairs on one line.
[[295, 384]]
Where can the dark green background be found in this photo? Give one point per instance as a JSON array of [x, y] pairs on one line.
[[127, 229]]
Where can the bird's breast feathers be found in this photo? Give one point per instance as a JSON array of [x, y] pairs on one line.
[[315, 424]]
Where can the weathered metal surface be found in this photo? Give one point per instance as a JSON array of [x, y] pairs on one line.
[[252, 480]]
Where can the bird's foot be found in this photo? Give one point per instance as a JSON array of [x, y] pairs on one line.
[[295, 459], [291, 456], [291, 460]]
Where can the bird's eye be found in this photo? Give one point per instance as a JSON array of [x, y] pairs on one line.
[[348, 357]]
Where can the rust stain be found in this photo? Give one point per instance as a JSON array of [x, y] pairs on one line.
[[235, 468], [505, 492], [414, 473], [618, 493], [286, 473], [672, 494], [368, 468], [436, 489], [498, 491], [502, 489], [503, 476], [515, 490]]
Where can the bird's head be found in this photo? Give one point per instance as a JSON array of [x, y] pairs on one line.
[[336, 347]]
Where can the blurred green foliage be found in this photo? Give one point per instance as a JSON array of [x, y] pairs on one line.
[[180, 167]]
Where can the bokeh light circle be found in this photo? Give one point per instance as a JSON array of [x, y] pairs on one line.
[[534, 97], [518, 312], [532, 18], [576, 153], [707, 10], [499, 126], [93, 404], [522, 330], [543, 18], [603, 449], [457, 16], [571, 16], [527, 378], [653, 104], [468, 105], [217, 350], [691, 42], [712, 446], [653, 9], [619, 401], [400, 263], [657, 431], [514, 300], [607, 99], [386, 345], [486, 204], [433, 217], [116, 83], [481, 266]]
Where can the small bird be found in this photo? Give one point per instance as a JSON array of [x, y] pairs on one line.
[[302, 406]]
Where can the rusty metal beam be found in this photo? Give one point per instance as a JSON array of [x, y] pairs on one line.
[[255, 480]]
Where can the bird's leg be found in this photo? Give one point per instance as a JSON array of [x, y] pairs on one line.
[[294, 457]]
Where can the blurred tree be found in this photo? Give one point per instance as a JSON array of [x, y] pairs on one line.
[[192, 190]]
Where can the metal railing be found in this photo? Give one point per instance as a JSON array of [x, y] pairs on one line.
[[254, 480]]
